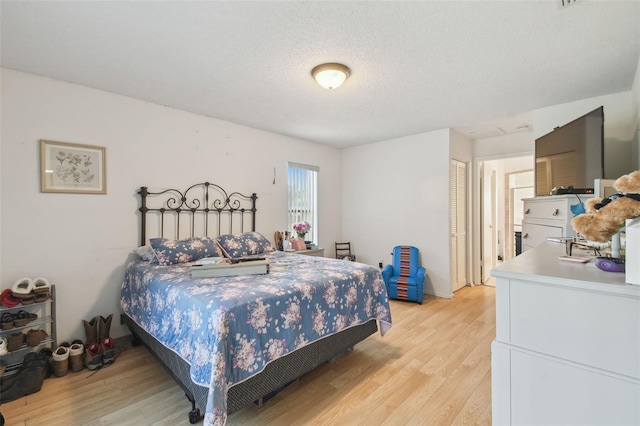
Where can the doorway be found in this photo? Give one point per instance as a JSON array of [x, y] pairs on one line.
[[503, 183]]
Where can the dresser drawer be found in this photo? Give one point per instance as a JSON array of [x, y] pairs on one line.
[[534, 234], [593, 329], [543, 209]]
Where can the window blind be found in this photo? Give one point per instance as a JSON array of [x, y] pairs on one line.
[[303, 198]]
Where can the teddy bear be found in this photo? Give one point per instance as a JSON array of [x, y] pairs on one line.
[[604, 217]]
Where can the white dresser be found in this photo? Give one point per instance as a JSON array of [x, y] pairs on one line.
[[567, 347], [548, 216]]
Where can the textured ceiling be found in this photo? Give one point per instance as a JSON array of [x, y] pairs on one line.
[[416, 66]]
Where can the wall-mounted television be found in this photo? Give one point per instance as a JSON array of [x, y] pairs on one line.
[[571, 156]]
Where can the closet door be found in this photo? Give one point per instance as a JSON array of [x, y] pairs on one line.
[[458, 246]]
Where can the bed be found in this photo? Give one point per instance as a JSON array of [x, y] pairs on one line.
[[233, 341]]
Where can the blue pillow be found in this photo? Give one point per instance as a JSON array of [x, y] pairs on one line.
[[169, 252], [244, 245]]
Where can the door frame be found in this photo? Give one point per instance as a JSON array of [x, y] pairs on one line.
[[476, 196]]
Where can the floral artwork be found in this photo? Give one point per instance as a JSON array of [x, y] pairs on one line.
[[67, 167], [74, 168]]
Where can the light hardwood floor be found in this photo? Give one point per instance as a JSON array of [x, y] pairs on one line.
[[432, 367]]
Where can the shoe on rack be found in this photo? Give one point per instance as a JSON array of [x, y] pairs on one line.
[[8, 321], [8, 300], [4, 346], [60, 362], [23, 318], [22, 288], [93, 356], [41, 285], [42, 296], [35, 337], [15, 341]]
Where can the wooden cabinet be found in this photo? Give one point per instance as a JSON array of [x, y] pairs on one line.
[[548, 217], [567, 347]]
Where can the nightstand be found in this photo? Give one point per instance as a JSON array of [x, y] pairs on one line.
[[319, 252]]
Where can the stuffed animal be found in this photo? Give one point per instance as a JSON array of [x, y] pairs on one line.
[[605, 217]]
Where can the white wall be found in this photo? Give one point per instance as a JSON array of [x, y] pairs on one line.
[[504, 146], [81, 243], [397, 192]]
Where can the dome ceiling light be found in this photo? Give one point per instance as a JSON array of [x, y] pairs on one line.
[[330, 76]]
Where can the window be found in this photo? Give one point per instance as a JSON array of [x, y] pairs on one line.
[[303, 197]]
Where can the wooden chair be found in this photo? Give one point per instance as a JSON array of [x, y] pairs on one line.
[[343, 251]]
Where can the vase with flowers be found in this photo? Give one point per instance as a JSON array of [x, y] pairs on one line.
[[302, 228]]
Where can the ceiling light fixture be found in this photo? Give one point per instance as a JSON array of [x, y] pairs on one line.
[[331, 75]]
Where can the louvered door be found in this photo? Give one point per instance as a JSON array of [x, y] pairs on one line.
[[458, 246]]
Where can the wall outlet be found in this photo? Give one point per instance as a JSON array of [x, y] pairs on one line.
[[380, 264]]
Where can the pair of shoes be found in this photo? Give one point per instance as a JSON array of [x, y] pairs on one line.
[[97, 329], [19, 319], [67, 357], [23, 318], [27, 380], [99, 345], [30, 291], [101, 354], [26, 286]]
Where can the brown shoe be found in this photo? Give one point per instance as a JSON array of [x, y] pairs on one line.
[[35, 337], [60, 362], [91, 330], [76, 357], [16, 340], [105, 328]]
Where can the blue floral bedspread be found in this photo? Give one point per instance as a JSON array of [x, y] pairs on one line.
[[228, 329]]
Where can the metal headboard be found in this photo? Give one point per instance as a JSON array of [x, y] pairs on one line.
[[206, 208]]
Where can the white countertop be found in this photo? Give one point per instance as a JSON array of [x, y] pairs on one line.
[[541, 264]]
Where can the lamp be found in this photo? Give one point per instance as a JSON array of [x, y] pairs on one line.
[[331, 75]]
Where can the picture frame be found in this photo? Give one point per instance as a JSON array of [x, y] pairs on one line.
[[72, 168]]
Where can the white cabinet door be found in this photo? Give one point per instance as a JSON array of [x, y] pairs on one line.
[[458, 245]]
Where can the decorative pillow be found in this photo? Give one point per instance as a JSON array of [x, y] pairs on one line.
[[146, 253], [243, 245], [170, 252]]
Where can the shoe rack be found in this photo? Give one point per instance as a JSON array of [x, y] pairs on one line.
[[46, 321]]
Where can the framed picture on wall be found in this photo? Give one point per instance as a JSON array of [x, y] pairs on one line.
[[72, 168]]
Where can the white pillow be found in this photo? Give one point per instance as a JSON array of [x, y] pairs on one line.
[[147, 253]]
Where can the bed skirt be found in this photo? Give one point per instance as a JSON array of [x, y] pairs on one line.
[[276, 374]]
